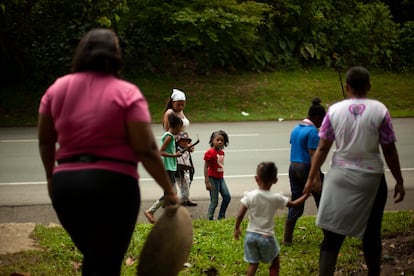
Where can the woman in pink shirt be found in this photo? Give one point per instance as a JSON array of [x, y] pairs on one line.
[[102, 126]]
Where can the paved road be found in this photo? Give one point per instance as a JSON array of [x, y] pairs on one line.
[[23, 196]]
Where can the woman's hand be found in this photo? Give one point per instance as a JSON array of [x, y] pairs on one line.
[[170, 199], [308, 186], [317, 185], [399, 192]]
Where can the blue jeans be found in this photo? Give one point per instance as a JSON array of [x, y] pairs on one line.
[[218, 185], [298, 174]]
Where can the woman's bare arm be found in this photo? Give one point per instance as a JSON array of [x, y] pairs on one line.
[[391, 158], [47, 146]]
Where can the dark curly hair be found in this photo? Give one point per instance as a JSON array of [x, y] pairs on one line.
[[222, 133], [98, 51], [174, 121]]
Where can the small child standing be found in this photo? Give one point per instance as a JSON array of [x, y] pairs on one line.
[[184, 168], [169, 157], [214, 174], [260, 243]]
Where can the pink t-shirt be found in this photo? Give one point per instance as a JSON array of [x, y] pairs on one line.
[[90, 111]]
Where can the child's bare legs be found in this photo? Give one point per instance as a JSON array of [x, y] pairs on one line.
[[149, 214], [252, 268], [275, 267]]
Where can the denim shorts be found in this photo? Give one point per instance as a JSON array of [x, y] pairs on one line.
[[260, 248]]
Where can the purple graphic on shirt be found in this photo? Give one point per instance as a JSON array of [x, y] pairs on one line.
[[357, 109]]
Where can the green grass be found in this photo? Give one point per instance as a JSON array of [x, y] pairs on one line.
[[269, 96], [222, 97], [213, 246]]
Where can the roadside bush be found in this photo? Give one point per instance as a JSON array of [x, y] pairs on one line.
[[404, 59], [369, 36], [194, 36]]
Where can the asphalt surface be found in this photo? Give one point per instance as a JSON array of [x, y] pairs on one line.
[[23, 195], [44, 213]]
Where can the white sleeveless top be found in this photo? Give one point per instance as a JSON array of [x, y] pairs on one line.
[[181, 115]]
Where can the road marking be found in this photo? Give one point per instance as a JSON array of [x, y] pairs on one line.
[[19, 141], [140, 180], [150, 179], [22, 183], [157, 137], [248, 150], [244, 135]]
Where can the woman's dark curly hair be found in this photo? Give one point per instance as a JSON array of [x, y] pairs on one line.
[[98, 51]]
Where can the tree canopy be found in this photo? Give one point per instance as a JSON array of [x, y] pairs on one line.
[[38, 37]]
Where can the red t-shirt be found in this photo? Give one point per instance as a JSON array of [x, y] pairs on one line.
[[216, 162]]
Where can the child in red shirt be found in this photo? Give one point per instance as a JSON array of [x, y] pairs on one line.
[[214, 172]]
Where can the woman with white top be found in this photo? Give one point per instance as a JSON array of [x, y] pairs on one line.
[[176, 105], [355, 191]]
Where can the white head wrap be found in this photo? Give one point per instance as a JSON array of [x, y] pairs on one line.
[[177, 95]]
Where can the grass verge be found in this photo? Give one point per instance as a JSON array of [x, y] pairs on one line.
[[213, 247], [223, 97]]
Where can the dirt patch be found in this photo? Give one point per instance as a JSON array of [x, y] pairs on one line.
[[398, 254], [397, 257], [15, 237]]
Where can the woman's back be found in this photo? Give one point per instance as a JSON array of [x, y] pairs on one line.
[[90, 111], [357, 125]]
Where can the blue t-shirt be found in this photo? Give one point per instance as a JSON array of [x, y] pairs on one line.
[[302, 138]]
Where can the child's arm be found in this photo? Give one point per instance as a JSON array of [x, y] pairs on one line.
[[206, 179], [240, 216], [299, 201], [164, 146]]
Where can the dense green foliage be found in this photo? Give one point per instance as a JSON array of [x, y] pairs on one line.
[[37, 37], [58, 255], [192, 36]]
